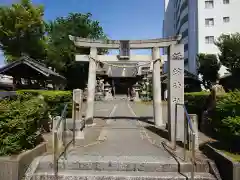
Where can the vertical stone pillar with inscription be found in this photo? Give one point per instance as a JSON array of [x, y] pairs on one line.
[[176, 90]]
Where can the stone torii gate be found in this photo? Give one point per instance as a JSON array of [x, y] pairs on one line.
[[175, 72]]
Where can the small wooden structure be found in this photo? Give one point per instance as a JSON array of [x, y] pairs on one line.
[[28, 73]]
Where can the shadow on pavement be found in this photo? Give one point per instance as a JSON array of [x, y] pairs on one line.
[[146, 119], [158, 131]]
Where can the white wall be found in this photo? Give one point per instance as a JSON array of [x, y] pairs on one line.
[[197, 31], [219, 11]]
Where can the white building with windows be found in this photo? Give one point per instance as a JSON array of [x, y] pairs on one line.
[[200, 22]]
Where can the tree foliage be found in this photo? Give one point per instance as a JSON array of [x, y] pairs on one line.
[[22, 30], [229, 46], [61, 51], [208, 67]]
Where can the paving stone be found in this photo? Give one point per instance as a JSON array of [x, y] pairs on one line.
[[105, 175]]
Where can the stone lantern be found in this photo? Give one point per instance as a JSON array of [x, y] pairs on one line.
[[144, 78], [147, 84], [107, 91], [136, 88], [145, 88]]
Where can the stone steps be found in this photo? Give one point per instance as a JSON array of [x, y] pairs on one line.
[[96, 167], [117, 175], [121, 163]]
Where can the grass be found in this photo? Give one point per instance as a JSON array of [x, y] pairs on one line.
[[149, 102], [234, 156]]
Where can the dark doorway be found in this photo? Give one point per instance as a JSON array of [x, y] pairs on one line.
[[121, 85]]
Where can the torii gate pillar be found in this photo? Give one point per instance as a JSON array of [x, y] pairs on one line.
[[91, 86], [157, 100]]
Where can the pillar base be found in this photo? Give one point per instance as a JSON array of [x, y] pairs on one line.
[[108, 96], [79, 135], [88, 121], [137, 99]]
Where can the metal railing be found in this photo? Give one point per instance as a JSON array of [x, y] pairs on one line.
[[192, 135], [60, 137]]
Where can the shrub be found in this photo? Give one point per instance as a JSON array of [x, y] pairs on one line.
[[228, 105], [231, 126], [226, 116], [196, 102], [229, 132], [54, 99], [20, 123]]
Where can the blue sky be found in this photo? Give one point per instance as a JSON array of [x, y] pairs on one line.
[[120, 19]]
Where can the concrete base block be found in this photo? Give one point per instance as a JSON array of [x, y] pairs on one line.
[[228, 168], [79, 135], [90, 125], [14, 167]]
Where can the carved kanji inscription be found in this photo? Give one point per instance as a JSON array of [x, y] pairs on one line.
[[176, 100], [177, 71], [177, 85], [177, 56]]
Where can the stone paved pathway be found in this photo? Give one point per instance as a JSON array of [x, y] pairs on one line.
[[123, 135], [123, 149]]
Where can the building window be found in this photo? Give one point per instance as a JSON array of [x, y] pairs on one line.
[[209, 4], [209, 39], [209, 22], [226, 19], [225, 1]]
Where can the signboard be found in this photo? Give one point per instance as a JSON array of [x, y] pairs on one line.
[[124, 48]]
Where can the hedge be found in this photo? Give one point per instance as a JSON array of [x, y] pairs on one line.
[[20, 124], [25, 115], [224, 119], [196, 102], [54, 99]]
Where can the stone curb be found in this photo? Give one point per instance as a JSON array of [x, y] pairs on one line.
[[12, 168], [228, 169]]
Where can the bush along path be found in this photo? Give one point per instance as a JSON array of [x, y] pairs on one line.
[[21, 121], [24, 116], [222, 121]]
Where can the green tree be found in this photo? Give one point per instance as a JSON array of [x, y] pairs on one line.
[[208, 67], [229, 46], [61, 51], [22, 30]]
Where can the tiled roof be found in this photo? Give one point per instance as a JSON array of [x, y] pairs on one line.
[[41, 68]]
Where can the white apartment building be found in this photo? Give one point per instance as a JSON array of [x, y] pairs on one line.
[[200, 22]]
